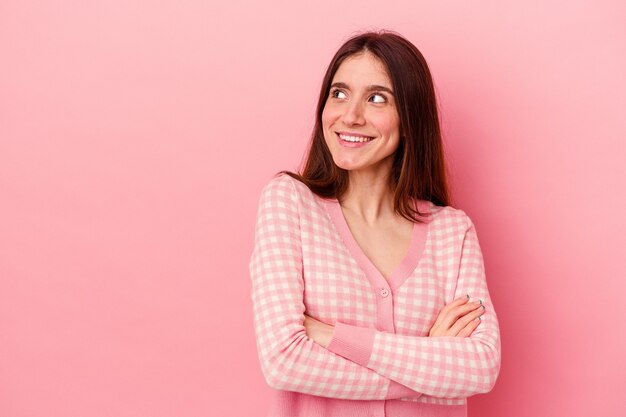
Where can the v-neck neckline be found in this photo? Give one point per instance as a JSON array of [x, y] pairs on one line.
[[408, 263]]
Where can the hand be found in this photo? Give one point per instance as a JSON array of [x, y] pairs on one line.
[[320, 332], [459, 318]]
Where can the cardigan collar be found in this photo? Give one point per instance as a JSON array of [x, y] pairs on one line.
[[407, 265]]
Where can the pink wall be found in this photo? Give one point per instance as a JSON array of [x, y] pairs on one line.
[[135, 137]]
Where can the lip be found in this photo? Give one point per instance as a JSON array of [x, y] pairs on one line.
[[359, 135]]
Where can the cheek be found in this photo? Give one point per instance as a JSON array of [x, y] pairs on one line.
[[387, 124], [327, 122], [329, 116]]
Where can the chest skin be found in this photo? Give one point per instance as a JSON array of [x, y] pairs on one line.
[[346, 262], [385, 244]]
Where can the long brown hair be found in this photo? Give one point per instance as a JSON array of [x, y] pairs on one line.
[[418, 168]]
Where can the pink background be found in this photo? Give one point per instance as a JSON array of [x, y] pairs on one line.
[[135, 137]]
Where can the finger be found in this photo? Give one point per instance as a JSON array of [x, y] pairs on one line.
[[469, 329], [458, 312], [446, 309], [462, 327], [466, 319]]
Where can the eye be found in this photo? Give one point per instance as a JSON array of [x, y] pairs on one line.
[[381, 98], [335, 93]]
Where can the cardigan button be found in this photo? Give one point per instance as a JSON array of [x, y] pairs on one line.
[[384, 292]]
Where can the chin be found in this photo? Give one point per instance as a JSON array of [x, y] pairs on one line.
[[347, 165]]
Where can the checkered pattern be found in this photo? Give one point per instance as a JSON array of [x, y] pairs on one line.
[[448, 367], [299, 263], [289, 359]]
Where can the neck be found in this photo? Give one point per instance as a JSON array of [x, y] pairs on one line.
[[369, 196]]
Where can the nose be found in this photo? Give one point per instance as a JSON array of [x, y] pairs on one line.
[[354, 114]]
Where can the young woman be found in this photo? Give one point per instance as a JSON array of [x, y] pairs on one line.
[[368, 288]]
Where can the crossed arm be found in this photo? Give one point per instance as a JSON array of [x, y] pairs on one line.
[[447, 366], [357, 363]]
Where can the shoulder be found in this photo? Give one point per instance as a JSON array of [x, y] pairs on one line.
[[450, 219], [279, 185], [284, 191]]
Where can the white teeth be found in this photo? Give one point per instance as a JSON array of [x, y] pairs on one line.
[[354, 138]]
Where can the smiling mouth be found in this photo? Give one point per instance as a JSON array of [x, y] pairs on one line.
[[354, 138]]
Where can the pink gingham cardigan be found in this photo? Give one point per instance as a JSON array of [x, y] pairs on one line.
[[380, 361]]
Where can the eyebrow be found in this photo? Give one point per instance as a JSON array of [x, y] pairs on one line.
[[368, 88]]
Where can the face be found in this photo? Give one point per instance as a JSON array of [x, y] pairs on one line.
[[360, 120]]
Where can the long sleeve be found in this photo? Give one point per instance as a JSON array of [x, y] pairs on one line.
[[450, 367], [289, 359]]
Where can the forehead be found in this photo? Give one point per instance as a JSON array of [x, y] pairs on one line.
[[363, 68]]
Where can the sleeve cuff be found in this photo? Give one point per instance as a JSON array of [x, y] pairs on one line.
[[397, 390], [352, 342]]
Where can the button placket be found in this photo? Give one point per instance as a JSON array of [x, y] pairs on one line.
[[385, 309]]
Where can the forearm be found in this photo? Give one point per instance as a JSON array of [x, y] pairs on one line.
[[435, 366], [293, 362], [322, 333]]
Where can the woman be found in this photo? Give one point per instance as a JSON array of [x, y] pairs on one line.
[[368, 289]]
